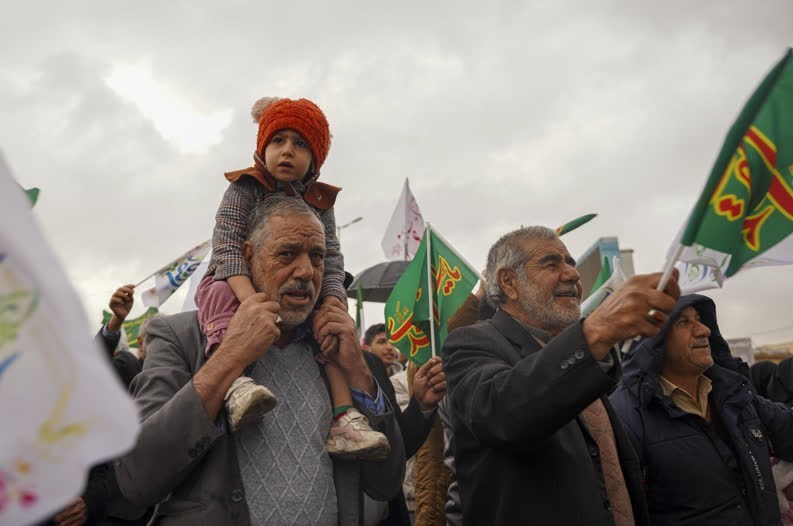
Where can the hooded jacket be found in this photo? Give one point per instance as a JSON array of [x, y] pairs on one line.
[[696, 472]]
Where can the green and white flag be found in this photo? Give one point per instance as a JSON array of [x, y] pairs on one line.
[[131, 328], [744, 216], [437, 274], [575, 223]]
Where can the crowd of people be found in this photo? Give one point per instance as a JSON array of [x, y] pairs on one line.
[[265, 407]]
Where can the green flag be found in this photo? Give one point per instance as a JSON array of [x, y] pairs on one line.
[[744, 215], [602, 277], [33, 195], [131, 327], [575, 223], [407, 310]]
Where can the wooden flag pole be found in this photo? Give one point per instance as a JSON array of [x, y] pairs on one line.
[[146, 278], [430, 291]]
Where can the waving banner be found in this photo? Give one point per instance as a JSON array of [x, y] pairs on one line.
[[403, 233], [131, 328], [744, 216], [54, 425], [172, 276], [438, 275]]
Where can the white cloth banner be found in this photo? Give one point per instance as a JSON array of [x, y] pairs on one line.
[[195, 279], [62, 407], [405, 229], [703, 268], [172, 276]]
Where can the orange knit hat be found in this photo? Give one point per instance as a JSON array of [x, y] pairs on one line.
[[274, 114]]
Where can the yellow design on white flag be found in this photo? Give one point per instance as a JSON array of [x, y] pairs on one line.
[[61, 405]]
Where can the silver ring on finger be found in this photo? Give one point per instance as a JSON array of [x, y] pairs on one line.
[[652, 315]]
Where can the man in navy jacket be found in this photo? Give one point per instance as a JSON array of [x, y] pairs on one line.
[[703, 436]]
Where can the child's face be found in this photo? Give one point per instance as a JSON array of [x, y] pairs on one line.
[[287, 156]]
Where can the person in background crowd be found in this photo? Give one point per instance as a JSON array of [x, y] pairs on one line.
[[142, 332], [376, 342], [415, 416], [704, 437], [769, 382], [126, 365], [474, 308], [761, 373], [534, 433], [780, 385]]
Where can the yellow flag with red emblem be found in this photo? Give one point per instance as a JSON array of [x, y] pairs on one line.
[[436, 276]]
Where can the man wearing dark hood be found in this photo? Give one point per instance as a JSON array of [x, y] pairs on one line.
[[703, 436], [779, 386], [761, 373]]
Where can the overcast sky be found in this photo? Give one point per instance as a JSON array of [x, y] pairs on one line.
[[500, 113]]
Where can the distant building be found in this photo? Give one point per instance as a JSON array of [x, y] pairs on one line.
[[774, 352], [742, 348], [591, 261]]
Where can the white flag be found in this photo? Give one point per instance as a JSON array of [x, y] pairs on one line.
[[62, 407], [172, 276], [403, 234], [195, 280]]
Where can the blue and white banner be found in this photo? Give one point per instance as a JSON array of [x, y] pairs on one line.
[[172, 276]]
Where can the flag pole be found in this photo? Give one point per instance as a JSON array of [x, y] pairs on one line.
[[359, 307], [146, 278], [670, 265], [405, 219], [430, 288]]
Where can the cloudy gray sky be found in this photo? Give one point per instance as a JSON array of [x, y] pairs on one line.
[[500, 113]]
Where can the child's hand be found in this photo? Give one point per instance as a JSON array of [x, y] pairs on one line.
[[330, 343]]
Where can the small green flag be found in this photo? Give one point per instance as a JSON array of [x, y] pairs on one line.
[[33, 195], [575, 223], [407, 310], [131, 327], [603, 276], [746, 207]]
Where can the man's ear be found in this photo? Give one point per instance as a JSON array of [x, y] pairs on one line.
[[508, 282], [247, 251]]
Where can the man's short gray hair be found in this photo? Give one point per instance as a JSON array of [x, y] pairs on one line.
[[275, 205], [508, 253]]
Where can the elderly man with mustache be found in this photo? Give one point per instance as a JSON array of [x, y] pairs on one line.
[[277, 470], [536, 439]]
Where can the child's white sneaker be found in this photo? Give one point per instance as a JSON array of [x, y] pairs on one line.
[[247, 402], [351, 436]]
